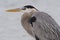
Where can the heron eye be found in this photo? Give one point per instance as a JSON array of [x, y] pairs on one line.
[[24, 8]]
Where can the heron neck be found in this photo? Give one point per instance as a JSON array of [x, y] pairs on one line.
[[25, 23]]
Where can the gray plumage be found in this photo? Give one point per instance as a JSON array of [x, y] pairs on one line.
[[38, 24], [45, 27]]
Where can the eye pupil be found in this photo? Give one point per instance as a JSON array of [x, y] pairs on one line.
[[24, 8]]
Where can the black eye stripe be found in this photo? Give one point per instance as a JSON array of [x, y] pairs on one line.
[[28, 6]]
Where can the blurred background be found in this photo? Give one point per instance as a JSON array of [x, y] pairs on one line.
[[10, 23]]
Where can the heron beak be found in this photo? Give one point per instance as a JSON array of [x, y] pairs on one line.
[[14, 10]]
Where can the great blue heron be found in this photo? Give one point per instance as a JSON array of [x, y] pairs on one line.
[[39, 24]]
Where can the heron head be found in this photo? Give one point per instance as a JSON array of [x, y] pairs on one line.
[[25, 9], [28, 9]]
